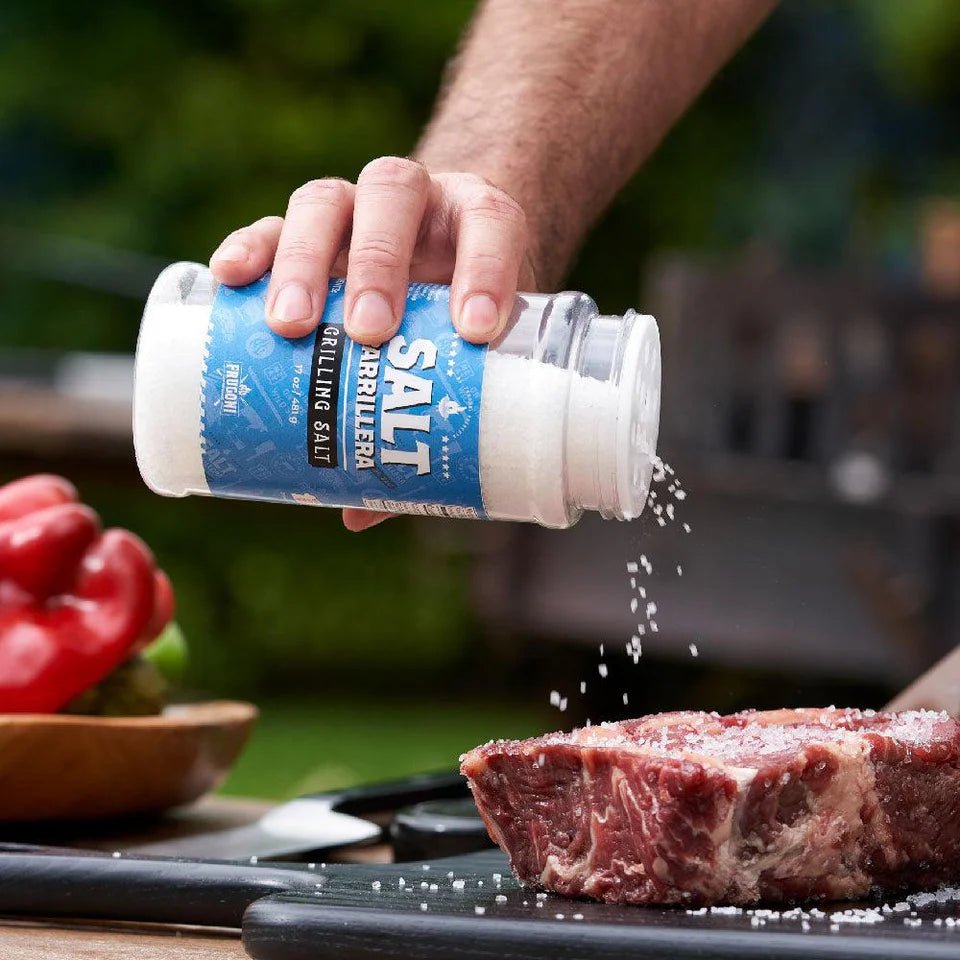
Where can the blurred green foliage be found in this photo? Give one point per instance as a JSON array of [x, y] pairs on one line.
[[331, 743], [160, 127]]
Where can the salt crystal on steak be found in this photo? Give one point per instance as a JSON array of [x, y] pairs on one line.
[[706, 809]]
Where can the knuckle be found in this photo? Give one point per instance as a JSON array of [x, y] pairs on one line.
[[377, 251], [486, 263], [470, 181], [266, 223], [299, 250], [394, 172], [494, 204], [328, 192]]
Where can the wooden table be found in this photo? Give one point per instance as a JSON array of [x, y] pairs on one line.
[[35, 941], [85, 940]]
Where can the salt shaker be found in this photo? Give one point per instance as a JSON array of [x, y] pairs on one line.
[[558, 416]]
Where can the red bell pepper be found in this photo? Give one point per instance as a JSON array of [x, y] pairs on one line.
[[75, 601]]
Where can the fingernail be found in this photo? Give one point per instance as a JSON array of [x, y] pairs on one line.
[[371, 315], [233, 252], [479, 316], [291, 303]]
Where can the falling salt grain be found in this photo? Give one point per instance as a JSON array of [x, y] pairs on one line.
[[459, 884], [376, 885], [401, 883], [626, 699], [541, 896], [252, 859], [578, 916], [424, 885], [632, 566], [694, 652], [434, 888], [583, 686], [559, 916], [634, 603], [653, 626], [424, 906], [679, 570], [601, 649], [541, 760], [554, 698], [479, 911], [500, 898], [602, 670], [686, 528]]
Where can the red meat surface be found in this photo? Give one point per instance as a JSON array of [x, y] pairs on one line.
[[697, 808]]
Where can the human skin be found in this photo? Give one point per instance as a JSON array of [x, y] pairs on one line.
[[549, 107]]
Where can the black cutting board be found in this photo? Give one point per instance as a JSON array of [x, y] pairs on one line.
[[350, 920]]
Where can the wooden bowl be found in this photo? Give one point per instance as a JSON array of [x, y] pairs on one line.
[[70, 767]]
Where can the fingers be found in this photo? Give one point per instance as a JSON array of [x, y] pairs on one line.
[[391, 199], [317, 221], [467, 220], [246, 254], [356, 520], [491, 238]]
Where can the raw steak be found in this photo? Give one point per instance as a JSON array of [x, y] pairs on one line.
[[698, 808]]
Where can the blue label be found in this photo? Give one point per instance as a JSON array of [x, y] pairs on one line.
[[323, 420]]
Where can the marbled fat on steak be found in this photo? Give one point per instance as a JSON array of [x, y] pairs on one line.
[[697, 808]]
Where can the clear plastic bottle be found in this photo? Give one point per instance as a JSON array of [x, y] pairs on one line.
[[559, 416]]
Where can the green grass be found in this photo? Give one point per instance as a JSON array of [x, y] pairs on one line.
[[326, 744]]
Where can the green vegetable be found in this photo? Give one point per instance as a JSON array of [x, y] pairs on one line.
[[168, 653], [139, 687], [135, 689]]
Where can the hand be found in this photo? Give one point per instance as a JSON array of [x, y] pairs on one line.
[[398, 223]]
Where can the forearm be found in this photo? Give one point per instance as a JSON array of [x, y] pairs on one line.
[[559, 102]]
